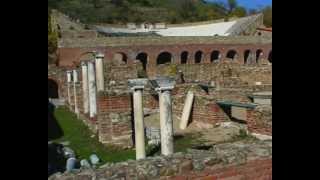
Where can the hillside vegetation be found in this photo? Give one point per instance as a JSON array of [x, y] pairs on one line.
[[122, 11]]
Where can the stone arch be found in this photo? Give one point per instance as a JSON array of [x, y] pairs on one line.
[[215, 56], [184, 57], [232, 54], [259, 54], [270, 56], [53, 89], [247, 56], [120, 58], [143, 58], [198, 56], [164, 58]]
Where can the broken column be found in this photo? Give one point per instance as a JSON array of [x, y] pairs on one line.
[[137, 86], [75, 81], [85, 89], [92, 90], [99, 71], [186, 110], [69, 80], [164, 85]]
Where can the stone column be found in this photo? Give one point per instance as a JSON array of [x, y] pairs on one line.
[[92, 90], [69, 80], [85, 87], [99, 71], [137, 86], [75, 81], [186, 110], [164, 87]]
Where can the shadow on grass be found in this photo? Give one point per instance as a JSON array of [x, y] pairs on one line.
[[54, 129]]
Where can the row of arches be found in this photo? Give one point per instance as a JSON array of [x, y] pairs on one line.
[[250, 57], [215, 56]]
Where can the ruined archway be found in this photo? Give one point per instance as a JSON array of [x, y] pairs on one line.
[[247, 56], [215, 56], [143, 58], [198, 57], [120, 58], [232, 54], [184, 57], [53, 89], [164, 58], [270, 57], [258, 55]]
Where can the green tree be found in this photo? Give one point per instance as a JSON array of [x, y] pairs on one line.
[[239, 12], [267, 16], [232, 4]]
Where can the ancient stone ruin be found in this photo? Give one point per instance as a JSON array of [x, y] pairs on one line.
[[112, 84]]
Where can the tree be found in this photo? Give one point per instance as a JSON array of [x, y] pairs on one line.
[[232, 4], [267, 16], [239, 12]]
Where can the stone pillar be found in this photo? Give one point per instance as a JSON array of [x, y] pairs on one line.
[[92, 90], [137, 86], [69, 80], [186, 110], [75, 81], [164, 87], [85, 87], [99, 71]]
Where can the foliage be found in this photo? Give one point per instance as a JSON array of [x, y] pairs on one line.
[[52, 39], [239, 12], [267, 16], [122, 11]]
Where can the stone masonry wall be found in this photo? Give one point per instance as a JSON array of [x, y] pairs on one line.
[[237, 161]]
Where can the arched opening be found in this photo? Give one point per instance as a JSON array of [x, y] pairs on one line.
[[215, 56], [143, 58], [184, 57], [198, 57], [247, 56], [120, 58], [53, 91], [270, 57], [258, 55], [164, 58], [232, 54]]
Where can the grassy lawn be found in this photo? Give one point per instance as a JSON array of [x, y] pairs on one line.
[[79, 136]]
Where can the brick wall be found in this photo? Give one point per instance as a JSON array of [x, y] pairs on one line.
[[204, 109], [259, 120], [114, 119]]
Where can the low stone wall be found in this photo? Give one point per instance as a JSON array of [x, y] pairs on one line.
[[239, 160]]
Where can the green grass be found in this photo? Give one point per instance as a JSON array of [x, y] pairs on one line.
[[79, 136]]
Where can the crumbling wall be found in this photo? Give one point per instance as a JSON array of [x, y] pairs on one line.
[[259, 120], [204, 112], [239, 160]]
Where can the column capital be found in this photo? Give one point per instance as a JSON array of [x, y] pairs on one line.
[[83, 63], [99, 55], [137, 84], [163, 83]]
